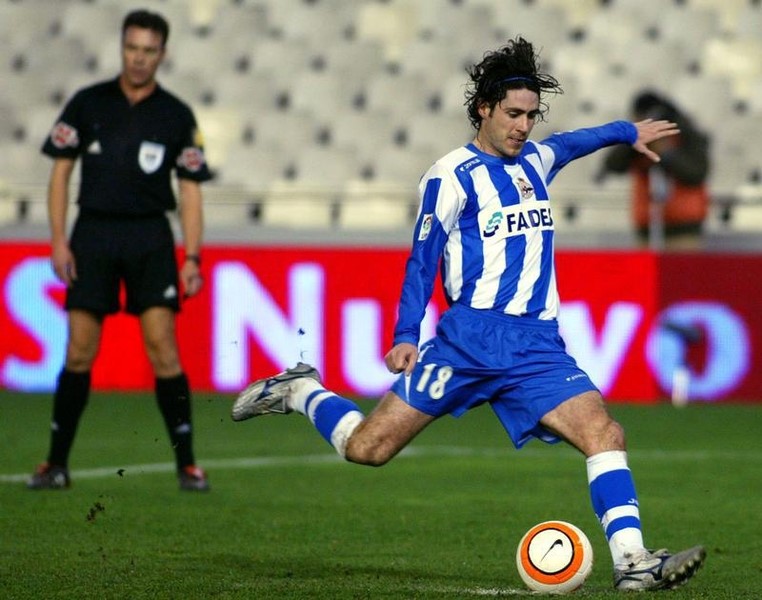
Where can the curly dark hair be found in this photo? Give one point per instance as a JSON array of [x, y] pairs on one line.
[[514, 66]]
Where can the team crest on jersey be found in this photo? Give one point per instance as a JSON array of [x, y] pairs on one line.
[[525, 188], [150, 156], [191, 159], [426, 223], [64, 135]]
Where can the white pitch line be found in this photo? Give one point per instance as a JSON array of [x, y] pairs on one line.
[[747, 456]]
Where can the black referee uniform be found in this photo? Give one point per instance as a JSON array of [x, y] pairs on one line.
[[127, 154]]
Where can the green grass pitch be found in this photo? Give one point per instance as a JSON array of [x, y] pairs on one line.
[[287, 519]]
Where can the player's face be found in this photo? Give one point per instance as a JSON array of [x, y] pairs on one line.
[[142, 53], [506, 127]]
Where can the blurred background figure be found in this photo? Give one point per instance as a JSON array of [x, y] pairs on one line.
[[670, 199]]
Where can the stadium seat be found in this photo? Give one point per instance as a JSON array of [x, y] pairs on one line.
[[690, 26], [402, 165], [322, 94], [578, 13], [228, 208], [291, 129], [370, 205], [749, 21], [9, 121], [325, 166], [736, 154], [315, 22], [24, 169], [442, 133], [727, 12], [20, 22], [355, 58], [754, 100], [38, 121], [739, 59], [297, 205], [392, 24], [747, 217], [91, 22], [204, 56], [545, 26], [221, 128], [251, 168], [463, 26], [251, 94], [704, 97], [279, 58], [362, 131], [399, 94], [239, 25], [431, 61]]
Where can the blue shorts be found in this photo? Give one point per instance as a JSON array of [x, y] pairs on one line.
[[519, 365]]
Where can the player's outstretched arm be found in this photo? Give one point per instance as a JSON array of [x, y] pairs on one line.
[[651, 131]]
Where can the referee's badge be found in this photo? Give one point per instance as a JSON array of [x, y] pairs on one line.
[[150, 156]]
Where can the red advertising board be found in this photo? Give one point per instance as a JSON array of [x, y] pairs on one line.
[[630, 318]]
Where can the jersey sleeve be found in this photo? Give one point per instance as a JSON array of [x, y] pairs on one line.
[[441, 201], [65, 139], [191, 162], [560, 149]]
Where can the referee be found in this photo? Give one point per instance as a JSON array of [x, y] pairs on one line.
[[130, 134]]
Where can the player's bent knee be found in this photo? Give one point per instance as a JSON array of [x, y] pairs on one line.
[[372, 455], [617, 435]]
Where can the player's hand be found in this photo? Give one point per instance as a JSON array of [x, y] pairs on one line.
[[62, 261], [650, 131], [191, 278], [402, 357]]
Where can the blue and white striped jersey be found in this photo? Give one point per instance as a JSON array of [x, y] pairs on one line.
[[486, 222]]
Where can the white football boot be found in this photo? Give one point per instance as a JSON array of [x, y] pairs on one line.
[[658, 570], [268, 395]]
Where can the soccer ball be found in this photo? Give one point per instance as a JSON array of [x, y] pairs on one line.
[[554, 557]]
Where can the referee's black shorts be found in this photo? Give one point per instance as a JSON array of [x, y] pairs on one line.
[[136, 251]]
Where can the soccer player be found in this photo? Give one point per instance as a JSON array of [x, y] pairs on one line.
[[486, 218], [131, 134]]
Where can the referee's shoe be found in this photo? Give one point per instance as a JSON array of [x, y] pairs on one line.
[[193, 479], [49, 477]]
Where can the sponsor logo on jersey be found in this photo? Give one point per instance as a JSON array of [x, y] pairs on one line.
[[426, 223], [517, 219], [150, 156], [493, 224], [191, 159], [64, 135]]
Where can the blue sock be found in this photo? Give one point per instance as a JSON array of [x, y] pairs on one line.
[[615, 502], [334, 417]]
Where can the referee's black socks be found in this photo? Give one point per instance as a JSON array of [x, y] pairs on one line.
[[173, 396], [69, 401]]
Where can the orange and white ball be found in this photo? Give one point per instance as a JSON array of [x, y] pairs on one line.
[[554, 557]]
